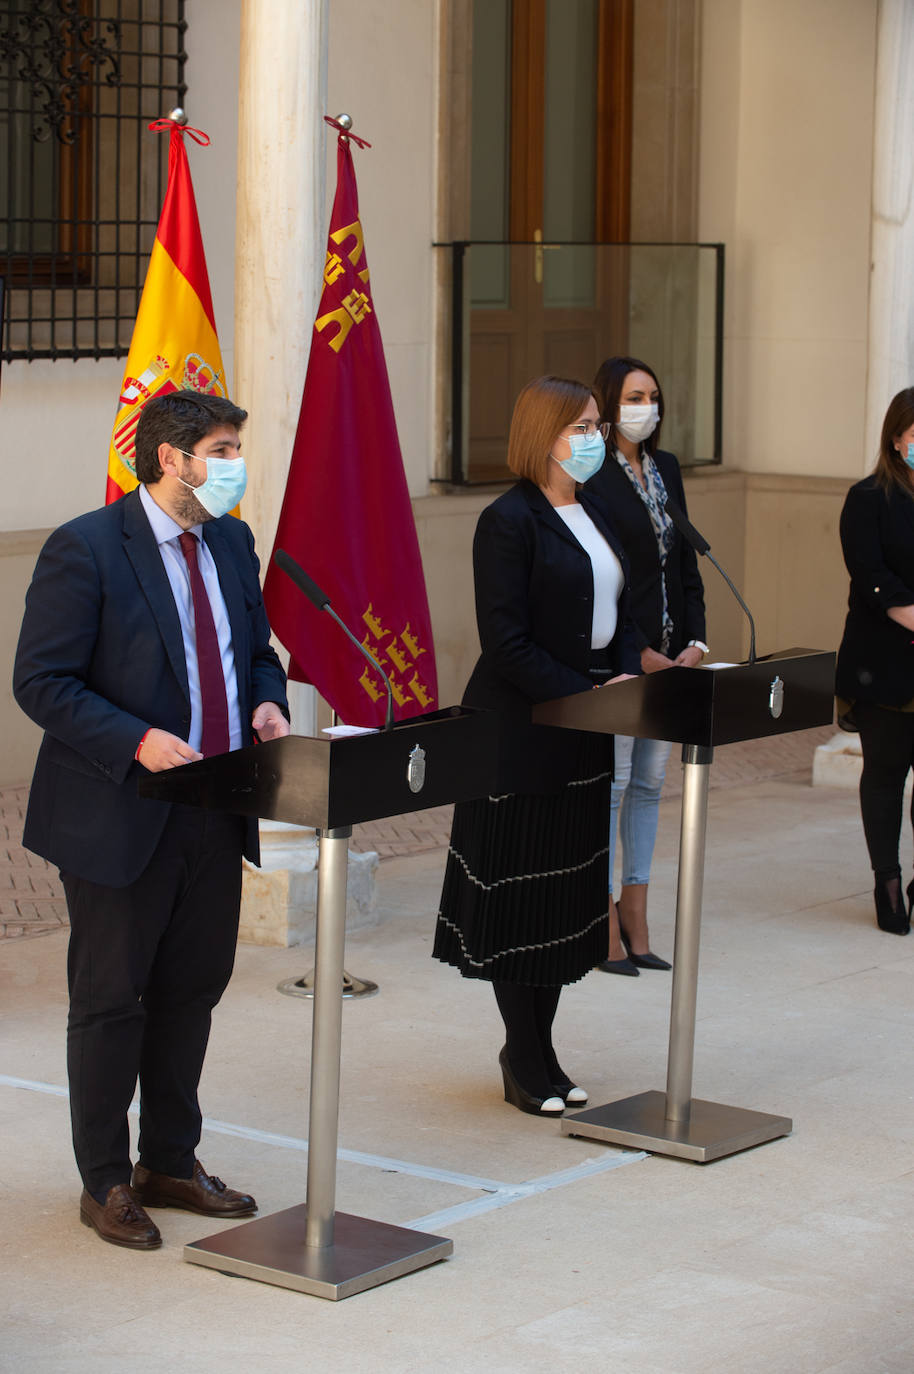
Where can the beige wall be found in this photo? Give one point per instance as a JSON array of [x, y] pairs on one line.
[[665, 107], [786, 168], [717, 507], [383, 72], [795, 579], [55, 428], [786, 159], [212, 105], [777, 538]]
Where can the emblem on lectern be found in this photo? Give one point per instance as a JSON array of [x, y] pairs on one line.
[[415, 771], [776, 697]]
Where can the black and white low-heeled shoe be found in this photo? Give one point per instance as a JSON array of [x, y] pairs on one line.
[[520, 1098], [570, 1093]]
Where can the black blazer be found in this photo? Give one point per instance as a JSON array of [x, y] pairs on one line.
[[630, 520], [534, 610], [876, 658], [100, 661]]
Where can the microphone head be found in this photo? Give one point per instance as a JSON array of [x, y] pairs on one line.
[[301, 579], [688, 531]]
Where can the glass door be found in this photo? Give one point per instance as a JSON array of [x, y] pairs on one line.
[[550, 169]]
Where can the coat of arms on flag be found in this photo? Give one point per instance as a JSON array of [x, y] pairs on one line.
[[174, 344]]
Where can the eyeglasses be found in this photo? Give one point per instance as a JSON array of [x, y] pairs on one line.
[[588, 427]]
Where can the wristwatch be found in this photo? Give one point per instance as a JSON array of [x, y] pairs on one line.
[[697, 644]]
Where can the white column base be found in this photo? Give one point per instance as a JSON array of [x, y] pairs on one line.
[[838, 762], [279, 899]]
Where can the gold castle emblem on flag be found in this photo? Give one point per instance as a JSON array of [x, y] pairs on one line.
[[397, 655], [194, 373], [357, 304]]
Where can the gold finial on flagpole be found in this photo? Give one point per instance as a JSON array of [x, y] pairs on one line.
[[178, 115]]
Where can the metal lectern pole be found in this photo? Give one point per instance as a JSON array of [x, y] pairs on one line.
[[312, 1247], [327, 1034], [696, 761], [674, 1122]]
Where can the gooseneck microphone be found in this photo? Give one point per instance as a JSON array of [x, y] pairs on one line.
[[321, 600], [701, 546]]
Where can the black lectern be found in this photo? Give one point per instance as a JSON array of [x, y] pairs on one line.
[[697, 707], [427, 761]]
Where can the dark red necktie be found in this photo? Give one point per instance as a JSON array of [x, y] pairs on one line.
[[215, 738]]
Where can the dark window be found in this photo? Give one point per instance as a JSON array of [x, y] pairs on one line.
[[81, 177]]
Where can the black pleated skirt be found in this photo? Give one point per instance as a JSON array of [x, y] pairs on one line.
[[524, 895]]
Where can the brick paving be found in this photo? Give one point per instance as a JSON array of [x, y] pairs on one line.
[[31, 898], [32, 901]]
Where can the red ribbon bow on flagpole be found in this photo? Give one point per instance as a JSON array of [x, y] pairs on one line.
[[159, 125], [346, 133]]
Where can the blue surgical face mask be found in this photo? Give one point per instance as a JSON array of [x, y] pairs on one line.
[[587, 454], [226, 480], [909, 456]]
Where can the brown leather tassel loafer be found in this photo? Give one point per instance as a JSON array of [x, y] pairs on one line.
[[121, 1221], [203, 1193]]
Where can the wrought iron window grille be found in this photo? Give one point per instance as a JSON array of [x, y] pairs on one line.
[[81, 178]]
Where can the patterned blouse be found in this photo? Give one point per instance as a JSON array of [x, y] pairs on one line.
[[653, 494]]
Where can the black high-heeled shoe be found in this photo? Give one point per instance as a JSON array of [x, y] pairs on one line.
[[891, 915], [520, 1098], [643, 960], [623, 966]]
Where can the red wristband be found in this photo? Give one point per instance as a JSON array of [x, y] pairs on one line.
[[140, 745]]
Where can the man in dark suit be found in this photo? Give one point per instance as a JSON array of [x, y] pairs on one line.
[[144, 646]]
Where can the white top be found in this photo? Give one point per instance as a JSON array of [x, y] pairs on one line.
[[166, 533], [608, 579]]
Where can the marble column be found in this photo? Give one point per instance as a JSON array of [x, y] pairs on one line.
[[891, 313], [280, 241]]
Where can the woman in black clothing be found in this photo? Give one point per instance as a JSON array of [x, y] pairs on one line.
[[524, 898], [875, 676], [669, 613]]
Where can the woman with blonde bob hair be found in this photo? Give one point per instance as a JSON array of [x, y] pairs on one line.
[[524, 902], [875, 673]]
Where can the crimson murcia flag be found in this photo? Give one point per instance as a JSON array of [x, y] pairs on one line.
[[346, 515]]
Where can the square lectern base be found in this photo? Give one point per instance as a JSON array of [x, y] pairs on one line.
[[364, 1253], [712, 1132]]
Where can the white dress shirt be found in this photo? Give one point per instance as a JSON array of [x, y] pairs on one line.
[[166, 532], [608, 579]]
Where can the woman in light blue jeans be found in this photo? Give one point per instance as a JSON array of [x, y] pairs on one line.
[[634, 485], [638, 773]]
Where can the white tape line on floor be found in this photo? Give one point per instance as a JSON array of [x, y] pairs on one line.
[[496, 1192]]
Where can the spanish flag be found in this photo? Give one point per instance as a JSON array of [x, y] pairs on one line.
[[174, 344]]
